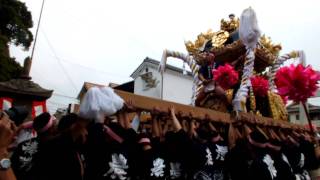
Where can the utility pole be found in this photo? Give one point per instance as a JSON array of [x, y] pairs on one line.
[[37, 31], [28, 61]]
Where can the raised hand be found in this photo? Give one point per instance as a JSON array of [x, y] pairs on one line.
[[176, 124], [172, 110], [7, 131], [130, 105], [156, 110]]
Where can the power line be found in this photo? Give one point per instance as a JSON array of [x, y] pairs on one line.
[[56, 93], [57, 104], [61, 95], [49, 81], [93, 69], [58, 60]]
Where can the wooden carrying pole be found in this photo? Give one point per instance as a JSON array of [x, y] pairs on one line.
[[147, 103], [198, 113]]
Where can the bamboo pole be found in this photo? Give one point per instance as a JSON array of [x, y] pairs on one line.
[[308, 118]]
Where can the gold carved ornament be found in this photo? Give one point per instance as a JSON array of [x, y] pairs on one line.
[[229, 95], [252, 100], [230, 25], [217, 39], [266, 43], [277, 107]]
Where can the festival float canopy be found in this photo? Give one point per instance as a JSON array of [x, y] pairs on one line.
[[253, 56], [250, 62]]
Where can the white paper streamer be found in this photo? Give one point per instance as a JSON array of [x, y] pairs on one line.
[[249, 32]]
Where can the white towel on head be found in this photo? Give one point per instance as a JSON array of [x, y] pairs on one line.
[[100, 102], [116, 100]]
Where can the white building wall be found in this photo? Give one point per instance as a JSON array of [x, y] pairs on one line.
[[151, 92], [292, 117], [176, 86]]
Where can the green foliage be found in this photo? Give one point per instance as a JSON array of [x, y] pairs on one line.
[[15, 22], [9, 68]]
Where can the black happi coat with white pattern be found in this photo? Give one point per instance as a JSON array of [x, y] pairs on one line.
[[107, 159], [208, 161], [22, 158]]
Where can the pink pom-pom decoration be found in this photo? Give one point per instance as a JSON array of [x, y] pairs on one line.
[[225, 76], [260, 86], [298, 83], [284, 99]]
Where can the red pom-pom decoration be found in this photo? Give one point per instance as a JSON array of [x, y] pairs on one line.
[[284, 99], [260, 86], [225, 76], [298, 83]]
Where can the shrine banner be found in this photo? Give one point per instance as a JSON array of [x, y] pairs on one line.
[[5, 103], [38, 107]]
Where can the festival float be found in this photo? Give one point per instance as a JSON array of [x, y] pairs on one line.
[[234, 68], [239, 96], [238, 80]]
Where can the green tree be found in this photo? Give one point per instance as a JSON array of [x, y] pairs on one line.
[[15, 22]]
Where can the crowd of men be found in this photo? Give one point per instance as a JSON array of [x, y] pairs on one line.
[[169, 147]]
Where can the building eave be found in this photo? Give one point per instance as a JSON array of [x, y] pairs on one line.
[[156, 63], [26, 88]]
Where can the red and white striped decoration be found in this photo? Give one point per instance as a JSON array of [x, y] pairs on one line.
[[5, 103], [38, 107]]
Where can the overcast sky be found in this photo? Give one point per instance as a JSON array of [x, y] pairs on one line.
[[104, 41]]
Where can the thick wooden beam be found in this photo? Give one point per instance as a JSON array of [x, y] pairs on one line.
[[148, 104]]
